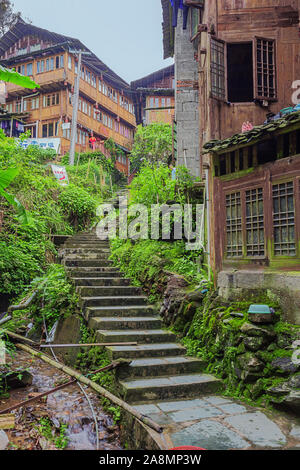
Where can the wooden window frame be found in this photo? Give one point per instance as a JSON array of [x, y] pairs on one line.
[[213, 95], [257, 96]]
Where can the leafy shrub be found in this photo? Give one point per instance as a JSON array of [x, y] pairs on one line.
[[55, 299], [78, 205], [18, 266]]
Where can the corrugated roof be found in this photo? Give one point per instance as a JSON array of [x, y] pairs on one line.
[[153, 77], [21, 29], [258, 132]]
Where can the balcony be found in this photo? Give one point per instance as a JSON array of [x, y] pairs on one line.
[[48, 81]]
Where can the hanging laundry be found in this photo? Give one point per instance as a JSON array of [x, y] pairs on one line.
[[176, 5]]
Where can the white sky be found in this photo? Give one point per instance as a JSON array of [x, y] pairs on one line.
[[124, 34]]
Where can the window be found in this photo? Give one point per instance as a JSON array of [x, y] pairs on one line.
[[47, 65], [240, 72], [284, 219], [76, 67], [70, 62], [45, 130], [255, 222], [265, 69], [29, 69], [62, 62], [251, 70], [218, 69], [51, 100], [38, 67], [23, 69], [195, 20], [35, 103], [50, 129], [234, 225], [52, 63]]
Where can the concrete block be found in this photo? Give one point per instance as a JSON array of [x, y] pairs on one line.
[[186, 116]]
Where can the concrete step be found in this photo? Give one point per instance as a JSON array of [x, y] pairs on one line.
[[139, 336], [85, 251], [87, 263], [146, 350], [112, 301], [161, 366], [107, 291], [100, 281], [120, 311], [91, 255], [172, 386], [125, 323], [92, 273], [86, 245]]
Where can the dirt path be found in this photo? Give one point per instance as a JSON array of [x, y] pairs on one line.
[[68, 406]]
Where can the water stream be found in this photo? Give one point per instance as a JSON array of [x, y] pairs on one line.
[[67, 406]]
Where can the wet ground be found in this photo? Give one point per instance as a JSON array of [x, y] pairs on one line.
[[67, 406], [220, 423]]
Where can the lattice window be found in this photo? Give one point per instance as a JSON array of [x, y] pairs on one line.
[[284, 219], [218, 89], [265, 69], [255, 222], [234, 225]]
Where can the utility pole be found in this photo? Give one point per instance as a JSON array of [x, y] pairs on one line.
[[75, 111]]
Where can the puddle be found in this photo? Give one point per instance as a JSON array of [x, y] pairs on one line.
[[68, 406]]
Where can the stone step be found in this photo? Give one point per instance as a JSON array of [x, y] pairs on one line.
[[112, 301], [101, 281], [92, 273], [120, 311], [85, 251], [146, 351], [105, 291], [139, 336], [172, 386], [87, 263], [125, 323], [86, 245], [91, 255], [161, 366]]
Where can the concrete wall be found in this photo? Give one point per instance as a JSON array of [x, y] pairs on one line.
[[187, 100], [284, 286]]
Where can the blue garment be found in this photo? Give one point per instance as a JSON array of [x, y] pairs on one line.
[[176, 5]]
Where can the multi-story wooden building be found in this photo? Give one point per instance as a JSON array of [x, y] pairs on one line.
[[106, 108], [154, 97], [237, 69]]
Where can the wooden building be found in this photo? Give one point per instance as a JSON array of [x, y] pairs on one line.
[[154, 97], [106, 108], [247, 54]]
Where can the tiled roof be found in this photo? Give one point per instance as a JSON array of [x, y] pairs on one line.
[[255, 134]]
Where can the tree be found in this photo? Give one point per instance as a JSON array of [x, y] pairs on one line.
[[7, 16], [152, 144]]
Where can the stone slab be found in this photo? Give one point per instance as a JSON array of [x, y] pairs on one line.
[[180, 405], [210, 435], [195, 413], [259, 429], [233, 408], [214, 400]]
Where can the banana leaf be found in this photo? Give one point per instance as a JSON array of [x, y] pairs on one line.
[[11, 76], [6, 177]]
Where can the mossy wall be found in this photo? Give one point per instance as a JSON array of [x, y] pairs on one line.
[[254, 360]]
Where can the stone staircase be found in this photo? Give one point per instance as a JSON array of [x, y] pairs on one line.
[[119, 312]]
